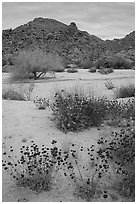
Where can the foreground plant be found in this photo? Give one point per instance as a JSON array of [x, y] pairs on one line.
[[21, 92], [109, 85], [120, 112], [119, 151], [125, 91], [13, 95], [85, 176], [35, 169], [74, 112], [41, 103]]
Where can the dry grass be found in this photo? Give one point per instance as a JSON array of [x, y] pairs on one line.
[[19, 92]]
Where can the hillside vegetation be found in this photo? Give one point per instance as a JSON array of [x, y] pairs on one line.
[[67, 41]]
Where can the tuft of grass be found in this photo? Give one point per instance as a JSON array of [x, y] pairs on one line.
[[125, 91], [109, 85], [13, 95], [19, 93], [85, 176], [87, 191]]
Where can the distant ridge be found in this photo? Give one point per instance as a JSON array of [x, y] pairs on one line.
[[67, 41]]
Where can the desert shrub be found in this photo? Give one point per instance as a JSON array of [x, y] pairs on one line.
[[120, 63], [98, 63], [114, 62], [119, 152], [60, 69], [41, 103], [86, 64], [119, 111], [109, 85], [35, 64], [72, 70], [74, 111], [13, 95], [92, 69], [85, 176], [104, 70], [20, 94], [4, 61], [11, 60], [6, 68], [36, 168], [103, 62], [125, 91]]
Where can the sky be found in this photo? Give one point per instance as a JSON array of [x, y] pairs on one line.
[[107, 20]]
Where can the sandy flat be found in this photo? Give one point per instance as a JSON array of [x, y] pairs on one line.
[[22, 119]]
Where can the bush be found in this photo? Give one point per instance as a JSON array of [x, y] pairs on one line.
[[86, 64], [22, 94], [114, 62], [103, 70], [119, 112], [36, 168], [6, 68], [109, 85], [72, 70], [120, 63], [61, 69], [11, 60], [34, 64], [92, 70], [4, 61], [85, 176], [125, 91], [74, 111], [41, 103], [119, 151], [13, 95]]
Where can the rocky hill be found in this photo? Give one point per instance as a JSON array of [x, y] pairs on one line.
[[65, 40]]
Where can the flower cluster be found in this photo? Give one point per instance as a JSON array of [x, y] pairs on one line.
[[41, 103], [119, 152], [75, 112], [120, 110], [36, 168]]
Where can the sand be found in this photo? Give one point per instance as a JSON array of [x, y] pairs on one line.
[[22, 121]]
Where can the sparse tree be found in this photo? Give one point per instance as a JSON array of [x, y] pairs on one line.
[[34, 64]]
